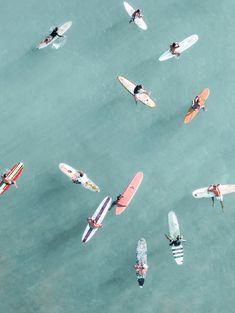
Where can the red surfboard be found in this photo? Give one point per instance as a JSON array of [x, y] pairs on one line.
[[129, 193], [13, 174]]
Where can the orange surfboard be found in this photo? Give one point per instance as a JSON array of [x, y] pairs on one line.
[[129, 193], [191, 114]]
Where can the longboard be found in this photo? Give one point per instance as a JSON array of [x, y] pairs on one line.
[[203, 193], [141, 257], [184, 45], [73, 174], [13, 174], [98, 216], [191, 114], [139, 21], [129, 86], [61, 30], [129, 193], [174, 231]]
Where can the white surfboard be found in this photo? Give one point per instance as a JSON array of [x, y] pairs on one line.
[[203, 193], [129, 86], [184, 45], [141, 257], [174, 231], [73, 175], [98, 216], [138, 21], [61, 30]]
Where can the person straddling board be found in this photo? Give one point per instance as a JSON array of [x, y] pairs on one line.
[[175, 242], [52, 35], [136, 14], [197, 104], [218, 195], [138, 90], [116, 201], [173, 48], [93, 223], [141, 268], [79, 177], [8, 181]]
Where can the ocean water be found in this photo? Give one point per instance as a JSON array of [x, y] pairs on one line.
[[66, 105]]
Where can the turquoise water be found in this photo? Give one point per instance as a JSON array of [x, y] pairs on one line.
[[66, 105]]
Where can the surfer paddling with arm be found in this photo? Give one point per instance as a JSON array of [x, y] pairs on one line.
[[8, 181], [93, 223], [138, 90], [198, 104], [52, 35], [136, 14], [175, 242], [218, 195], [173, 48]]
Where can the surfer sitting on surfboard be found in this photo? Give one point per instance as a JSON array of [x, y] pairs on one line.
[[141, 268], [139, 89], [197, 104], [136, 14], [8, 181], [173, 47], [175, 242], [76, 180], [93, 223], [216, 191], [52, 35]]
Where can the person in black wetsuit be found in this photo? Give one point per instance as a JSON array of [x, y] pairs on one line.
[[175, 242], [116, 201], [138, 90], [173, 47], [136, 14], [52, 35]]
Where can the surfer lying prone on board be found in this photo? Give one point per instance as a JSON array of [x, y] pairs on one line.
[[218, 195], [173, 47], [175, 242], [8, 181], [52, 35], [139, 89], [141, 268], [136, 14], [93, 223], [197, 104]]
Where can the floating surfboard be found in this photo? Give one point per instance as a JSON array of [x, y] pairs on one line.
[[203, 193], [174, 231], [98, 216], [129, 86], [191, 114], [73, 175], [184, 45], [139, 21], [13, 174], [141, 257], [129, 193], [48, 40]]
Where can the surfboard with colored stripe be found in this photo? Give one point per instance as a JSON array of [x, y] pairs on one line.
[[174, 231], [98, 216], [13, 174], [129, 193]]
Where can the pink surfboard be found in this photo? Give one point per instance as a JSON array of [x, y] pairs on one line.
[[129, 193]]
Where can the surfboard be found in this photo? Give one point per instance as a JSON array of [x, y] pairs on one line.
[[13, 174], [203, 193], [184, 45], [129, 193], [191, 114], [129, 86], [98, 216], [174, 231], [138, 21], [61, 30], [141, 257], [73, 175]]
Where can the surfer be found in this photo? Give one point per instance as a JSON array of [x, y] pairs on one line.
[[141, 268], [93, 223], [8, 181], [175, 242], [52, 35], [216, 191], [173, 47], [81, 176], [136, 14], [197, 104], [116, 201], [139, 89]]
